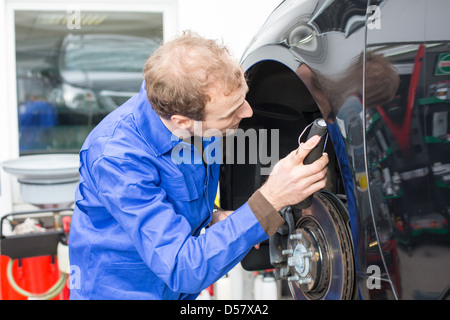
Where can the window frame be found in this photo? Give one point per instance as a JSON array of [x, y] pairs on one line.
[[9, 144]]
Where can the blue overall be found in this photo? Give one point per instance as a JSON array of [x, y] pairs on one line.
[[135, 231]]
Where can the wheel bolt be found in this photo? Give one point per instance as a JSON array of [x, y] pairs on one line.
[[295, 236], [305, 280], [286, 252], [293, 278]]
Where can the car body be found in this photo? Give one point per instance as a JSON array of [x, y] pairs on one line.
[[378, 72]]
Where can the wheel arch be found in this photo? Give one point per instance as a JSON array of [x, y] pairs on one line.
[[282, 85], [278, 68]]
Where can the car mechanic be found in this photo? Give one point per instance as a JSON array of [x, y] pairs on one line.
[[138, 216]]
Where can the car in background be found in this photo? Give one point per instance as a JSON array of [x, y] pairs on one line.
[[100, 71], [92, 76], [378, 73]]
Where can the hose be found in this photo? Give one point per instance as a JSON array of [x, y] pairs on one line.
[[51, 293]]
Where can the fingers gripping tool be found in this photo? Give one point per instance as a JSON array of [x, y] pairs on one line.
[[319, 128]]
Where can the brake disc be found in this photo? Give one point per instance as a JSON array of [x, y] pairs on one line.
[[319, 251]]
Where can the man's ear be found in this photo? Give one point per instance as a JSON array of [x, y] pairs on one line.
[[182, 122]]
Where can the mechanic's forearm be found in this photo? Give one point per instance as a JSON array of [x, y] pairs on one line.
[[201, 260], [219, 215], [267, 215]]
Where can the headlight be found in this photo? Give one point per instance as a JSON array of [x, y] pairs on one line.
[[78, 98]]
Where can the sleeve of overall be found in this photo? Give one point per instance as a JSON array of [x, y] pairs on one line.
[[162, 237]]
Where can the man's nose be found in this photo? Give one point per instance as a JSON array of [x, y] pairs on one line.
[[246, 111]]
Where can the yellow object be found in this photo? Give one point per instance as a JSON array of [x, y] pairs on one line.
[[362, 179], [217, 200]]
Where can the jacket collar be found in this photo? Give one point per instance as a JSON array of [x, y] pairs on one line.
[[158, 137], [155, 133]]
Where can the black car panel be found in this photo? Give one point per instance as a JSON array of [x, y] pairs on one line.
[[379, 74]]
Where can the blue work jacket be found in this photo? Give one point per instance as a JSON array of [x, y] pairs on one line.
[[139, 213]]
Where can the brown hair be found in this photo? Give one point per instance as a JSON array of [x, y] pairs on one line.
[[178, 75]]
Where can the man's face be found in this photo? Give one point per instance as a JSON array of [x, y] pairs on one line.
[[224, 112]]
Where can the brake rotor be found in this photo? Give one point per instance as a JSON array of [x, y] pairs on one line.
[[319, 252]]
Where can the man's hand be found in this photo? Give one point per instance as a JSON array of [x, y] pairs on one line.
[[291, 181], [219, 215]]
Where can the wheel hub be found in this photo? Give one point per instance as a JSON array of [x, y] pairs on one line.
[[300, 258], [308, 258], [318, 256]]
